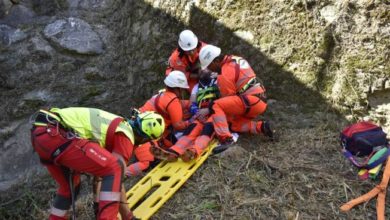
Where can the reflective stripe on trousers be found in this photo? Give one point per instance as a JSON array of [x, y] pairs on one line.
[[109, 196], [58, 212], [220, 124]]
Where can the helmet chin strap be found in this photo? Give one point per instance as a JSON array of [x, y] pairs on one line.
[[135, 125]]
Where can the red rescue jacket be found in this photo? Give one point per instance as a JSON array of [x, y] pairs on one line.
[[185, 63]]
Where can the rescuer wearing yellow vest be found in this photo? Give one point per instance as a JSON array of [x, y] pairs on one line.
[[93, 141]]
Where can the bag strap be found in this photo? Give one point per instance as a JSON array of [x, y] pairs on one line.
[[365, 165], [351, 158]]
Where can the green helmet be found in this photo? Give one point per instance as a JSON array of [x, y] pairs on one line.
[[150, 124]]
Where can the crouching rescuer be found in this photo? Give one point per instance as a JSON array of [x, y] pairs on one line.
[[76, 140], [242, 96]]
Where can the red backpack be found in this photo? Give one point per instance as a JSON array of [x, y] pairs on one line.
[[362, 139]]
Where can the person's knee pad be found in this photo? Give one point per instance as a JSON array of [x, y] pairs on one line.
[[115, 176], [122, 170], [208, 129], [107, 183], [62, 202]]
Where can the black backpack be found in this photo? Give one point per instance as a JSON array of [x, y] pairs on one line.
[[363, 139]]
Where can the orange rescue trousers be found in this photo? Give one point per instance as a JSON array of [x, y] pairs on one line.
[[190, 145], [241, 110], [143, 154], [195, 139]]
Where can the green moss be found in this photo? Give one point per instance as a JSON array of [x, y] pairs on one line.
[[360, 62], [326, 45]]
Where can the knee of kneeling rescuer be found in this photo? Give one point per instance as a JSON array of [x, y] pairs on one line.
[[110, 192], [62, 203]]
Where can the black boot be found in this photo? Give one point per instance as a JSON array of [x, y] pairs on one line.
[[267, 130]]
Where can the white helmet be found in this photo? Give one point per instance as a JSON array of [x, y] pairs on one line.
[[176, 79], [188, 40], [207, 54]]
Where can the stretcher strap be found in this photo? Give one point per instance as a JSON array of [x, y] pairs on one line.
[[379, 190]]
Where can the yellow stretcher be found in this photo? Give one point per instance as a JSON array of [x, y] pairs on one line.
[[154, 189]]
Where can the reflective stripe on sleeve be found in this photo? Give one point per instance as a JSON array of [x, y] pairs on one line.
[[135, 169]]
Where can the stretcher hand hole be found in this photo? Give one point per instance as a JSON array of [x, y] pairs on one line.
[[192, 166], [145, 181], [165, 178], [146, 196], [173, 185], [156, 202], [162, 164]]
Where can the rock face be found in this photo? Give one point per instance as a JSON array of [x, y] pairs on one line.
[[74, 34], [111, 54], [9, 35]]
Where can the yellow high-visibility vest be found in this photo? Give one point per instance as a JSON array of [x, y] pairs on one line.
[[91, 123]]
